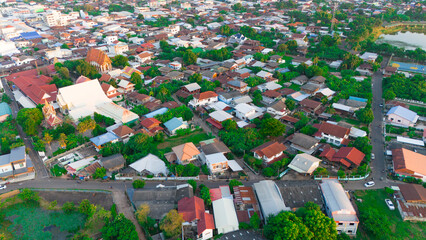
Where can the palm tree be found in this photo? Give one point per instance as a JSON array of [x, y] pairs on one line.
[[48, 139], [63, 140]]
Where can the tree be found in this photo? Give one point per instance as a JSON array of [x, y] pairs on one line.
[[362, 144], [47, 138], [86, 124], [225, 30], [119, 228], [120, 61], [323, 227], [290, 103], [138, 184], [282, 48], [196, 77], [86, 208], [65, 46], [140, 17], [234, 183], [374, 222], [140, 110], [193, 184], [308, 130], [136, 79], [5, 98], [205, 194], [389, 95], [99, 173], [255, 221], [189, 57], [30, 119], [62, 140], [229, 125], [286, 225], [272, 127], [142, 213], [365, 115], [68, 207], [171, 224], [29, 195]]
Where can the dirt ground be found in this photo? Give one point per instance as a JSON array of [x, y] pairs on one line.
[[98, 198]]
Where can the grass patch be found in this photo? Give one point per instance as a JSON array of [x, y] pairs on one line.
[[353, 121], [195, 137], [58, 171], [399, 229], [295, 87], [31, 221], [419, 110]]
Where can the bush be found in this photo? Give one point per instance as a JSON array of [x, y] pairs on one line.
[[68, 207], [99, 173], [205, 170], [138, 184], [29, 195]]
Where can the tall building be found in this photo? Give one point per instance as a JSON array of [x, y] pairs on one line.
[[55, 18]]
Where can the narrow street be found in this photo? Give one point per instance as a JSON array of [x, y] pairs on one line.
[[40, 168]]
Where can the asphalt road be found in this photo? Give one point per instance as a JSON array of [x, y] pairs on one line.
[[40, 168]]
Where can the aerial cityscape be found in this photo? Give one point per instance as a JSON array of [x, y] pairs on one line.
[[213, 119]]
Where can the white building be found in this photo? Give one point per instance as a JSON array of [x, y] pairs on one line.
[[217, 163], [269, 197], [304, 163], [225, 216], [339, 207], [55, 18], [8, 48], [110, 39], [150, 164], [402, 116], [58, 53]]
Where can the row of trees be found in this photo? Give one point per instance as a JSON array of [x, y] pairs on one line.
[[400, 86]]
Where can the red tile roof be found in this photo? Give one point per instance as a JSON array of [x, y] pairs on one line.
[[191, 208], [149, 123], [333, 130], [98, 56], [205, 95], [348, 156], [328, 153], [206, 222], [269, 149]]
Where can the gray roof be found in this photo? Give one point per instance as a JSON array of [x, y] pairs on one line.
[[15, 154], [297, 193], [229, 95], [216, 147], [337, 201], [404, 113], [113, 161], [304, 140], [269, 197]]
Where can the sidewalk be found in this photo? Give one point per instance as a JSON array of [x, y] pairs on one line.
[[30, 176]]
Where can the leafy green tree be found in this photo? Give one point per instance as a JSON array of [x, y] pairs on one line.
[[290, 104], [365, 115], [136, 79], [101, 119], [234, 183], [47, 138], [142, 213], [120, 61], [5, 98], [286, 225], [389, 95], [189, 57], [257, 97], [99, 173], [272, 127], [308, 130], [29, 195], [138, 184], [86, 208], [205, 194], [140, 110], [171, 224], [119, 228], [193, 184], [282, 48], [65, 46], [255, 221], [225, 30], [86, 124], [196, 77], [229, 125], [68, 207], [363, 144], [30, 119], [323, 227]]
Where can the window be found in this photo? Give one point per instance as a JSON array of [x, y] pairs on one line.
[[340, 224], [349, 231], [21, 165], [399, 120], [351, 224]]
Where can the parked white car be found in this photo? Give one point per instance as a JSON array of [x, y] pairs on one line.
[[390, 204], [2, 187], [373, 156], [369, 184]]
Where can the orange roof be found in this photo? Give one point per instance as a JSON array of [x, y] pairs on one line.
[[348, 155], [98, 56], [269, 149], [191, 208], [406, 160], [150, 123], [205, 95], [186, 151]]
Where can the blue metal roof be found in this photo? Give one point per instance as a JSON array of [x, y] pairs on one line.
[[173, 123], [403, 112], [104, 138], [5, 109], [156, 112], [358, 99], [30, 35]]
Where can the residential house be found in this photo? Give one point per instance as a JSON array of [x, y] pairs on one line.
[[300, 80], [339, 207], [152, 125], [218, 117], [225, 216], [144, 57], [402, 116], [244, 112], [175, 124], [113, 163], [310, 106], [101, 140], [271, 86], [99, 59], [124, 133], [348, 156], [50, 116], [304, 143], [411, 202], [278, 108], [150, 165], [202, 99], [192, 88], [128, 71], [110, 91], [245, 203], [310, 88], [194, 214], [269, 198], [125, 86], [15, 163], [175, 75], [332, 133], [237, 85], [138, 98], [186, 153], [216, 162], [407, 163], [369, 57], [389, 71], [175, 65], [304, 163], [270, 152]]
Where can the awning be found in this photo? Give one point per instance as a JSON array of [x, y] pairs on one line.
[[235, 167]]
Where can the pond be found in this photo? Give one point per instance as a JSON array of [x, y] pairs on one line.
[[407, 40]]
